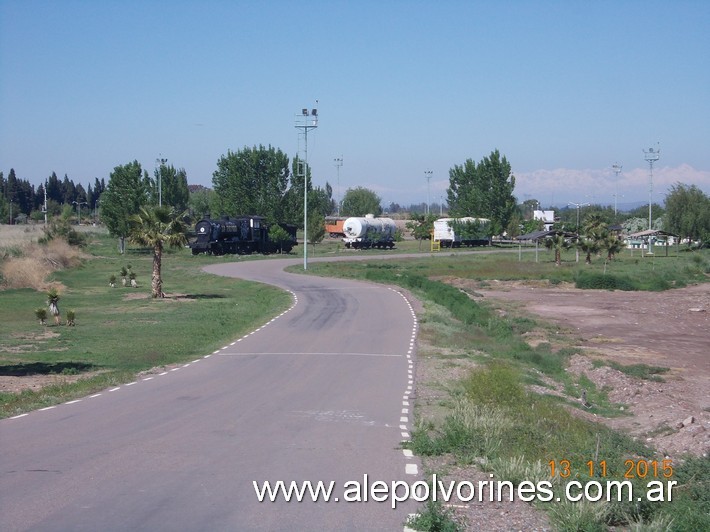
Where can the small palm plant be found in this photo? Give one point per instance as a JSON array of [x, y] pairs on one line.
[[124, 274], [53, 304], [558, 243], [71, 318], [588, 246], [112, 281], [132, 277], [41, 314]]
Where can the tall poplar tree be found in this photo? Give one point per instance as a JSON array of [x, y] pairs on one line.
[[252, 181], [483, 190], [123, 197]]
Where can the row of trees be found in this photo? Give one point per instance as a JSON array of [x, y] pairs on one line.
[[27, 201]]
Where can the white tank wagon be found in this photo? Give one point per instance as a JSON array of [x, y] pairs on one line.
[[466, 231], [369, 232]]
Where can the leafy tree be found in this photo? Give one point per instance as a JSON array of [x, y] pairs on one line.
[[157, 227], [316, 229], [514, 224], [635, 224], [688, 212], [421, 227], [471, 229], [320, 200], [642, 212], [169, 186], [360, 201], [279, 236], [483, 190], [201, 202], [252, 181], [124, 195], [533, 225]]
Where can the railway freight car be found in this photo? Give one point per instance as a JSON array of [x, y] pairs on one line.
[[334, 226], [239, 234], [457, 232], [369, 232]]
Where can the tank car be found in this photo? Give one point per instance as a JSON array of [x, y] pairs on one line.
[[369, 232]]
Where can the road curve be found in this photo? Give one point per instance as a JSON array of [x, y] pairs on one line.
[[319, 393]]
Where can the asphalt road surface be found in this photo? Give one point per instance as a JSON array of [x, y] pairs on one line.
[[319, 393]]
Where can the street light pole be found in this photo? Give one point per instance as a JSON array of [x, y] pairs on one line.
[[306, 122], [160, 162], [78, 208], [338, 163], [427, 176], [578, 205], [617, 170], [651, 157]]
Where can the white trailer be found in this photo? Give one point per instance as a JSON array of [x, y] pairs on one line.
[[457, 232]]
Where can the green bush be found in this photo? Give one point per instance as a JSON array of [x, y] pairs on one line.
[[599, 281]]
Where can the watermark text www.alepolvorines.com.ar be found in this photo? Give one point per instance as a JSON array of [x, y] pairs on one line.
[[397, 491]]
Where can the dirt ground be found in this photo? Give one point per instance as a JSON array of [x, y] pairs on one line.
[[669, 329]]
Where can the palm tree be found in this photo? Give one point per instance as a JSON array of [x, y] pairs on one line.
[[157, 227], [588, 246], [559, 243], [613, 244]]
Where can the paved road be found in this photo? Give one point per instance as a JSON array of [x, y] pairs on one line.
[[318, 394]]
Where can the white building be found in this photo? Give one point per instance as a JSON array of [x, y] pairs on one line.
[[548, 217]]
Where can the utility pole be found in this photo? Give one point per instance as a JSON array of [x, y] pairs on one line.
[[427, 176], [338, 163], [651, 157], [305, 122], [45, 202]]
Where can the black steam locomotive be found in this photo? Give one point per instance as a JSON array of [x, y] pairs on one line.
[[240, 234]]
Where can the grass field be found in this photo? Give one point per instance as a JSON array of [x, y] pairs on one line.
[[120, 331]]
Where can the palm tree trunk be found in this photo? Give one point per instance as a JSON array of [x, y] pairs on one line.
[[156, 281]]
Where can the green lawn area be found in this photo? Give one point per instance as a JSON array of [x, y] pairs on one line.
[[120, 331]]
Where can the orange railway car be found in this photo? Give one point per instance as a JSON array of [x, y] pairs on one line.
[[334, 226]]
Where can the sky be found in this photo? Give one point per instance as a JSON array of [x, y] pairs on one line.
[[563, 89]]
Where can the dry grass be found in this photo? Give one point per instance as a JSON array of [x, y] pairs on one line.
[[29, 264]]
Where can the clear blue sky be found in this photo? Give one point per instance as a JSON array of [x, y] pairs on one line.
[[564, 89]]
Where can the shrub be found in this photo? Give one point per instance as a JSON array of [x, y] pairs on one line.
[[41, 314], [600, 281], [434, 518]]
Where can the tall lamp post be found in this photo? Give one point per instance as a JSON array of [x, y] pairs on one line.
[[427, 176], [78, 208], [617, 170], [651, 157], [338, 163], [305, 122], [578, 205], [160, 162]]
